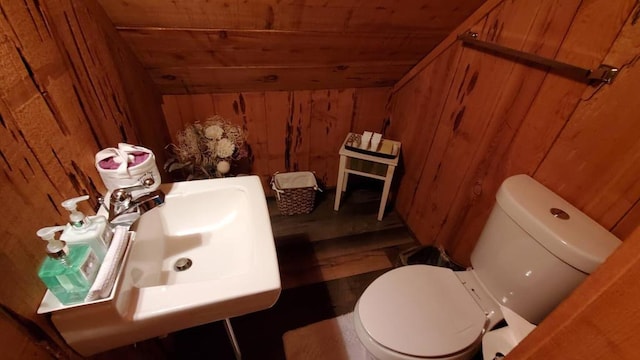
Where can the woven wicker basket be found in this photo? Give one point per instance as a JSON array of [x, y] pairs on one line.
[[295, 192]]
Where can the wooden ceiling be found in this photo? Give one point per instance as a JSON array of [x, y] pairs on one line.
[[202, 46]]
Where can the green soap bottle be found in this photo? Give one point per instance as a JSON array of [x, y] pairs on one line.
[[69, 271]]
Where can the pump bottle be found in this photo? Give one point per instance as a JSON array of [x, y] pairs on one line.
[[81, 229], [68, 271]]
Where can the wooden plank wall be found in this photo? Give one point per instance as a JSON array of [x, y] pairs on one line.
[[62, 98], [288, 130], [202, 46], [116, 80], [468, 120]]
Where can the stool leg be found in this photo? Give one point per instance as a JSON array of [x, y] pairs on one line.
[[385, 191], [341, 184]]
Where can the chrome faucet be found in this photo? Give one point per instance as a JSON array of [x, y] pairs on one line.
[[125, 209]]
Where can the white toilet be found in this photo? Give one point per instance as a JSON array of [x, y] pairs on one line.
[[533, 251]]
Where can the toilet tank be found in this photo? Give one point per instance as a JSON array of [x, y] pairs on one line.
[[536, 248]]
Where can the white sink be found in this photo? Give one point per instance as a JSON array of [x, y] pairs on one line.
[[222, 226]]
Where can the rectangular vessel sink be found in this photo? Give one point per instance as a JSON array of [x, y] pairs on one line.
[[219, 232]]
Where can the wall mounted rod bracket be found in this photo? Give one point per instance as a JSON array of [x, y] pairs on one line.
[[603, 74]]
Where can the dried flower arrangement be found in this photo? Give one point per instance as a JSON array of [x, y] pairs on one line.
[[205, 150]]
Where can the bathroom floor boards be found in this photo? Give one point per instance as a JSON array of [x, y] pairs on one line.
[[326, 260]]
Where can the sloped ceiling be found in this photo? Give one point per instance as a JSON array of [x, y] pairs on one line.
[[202, 46]]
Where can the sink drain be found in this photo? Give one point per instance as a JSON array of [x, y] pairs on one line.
[[182, 264]]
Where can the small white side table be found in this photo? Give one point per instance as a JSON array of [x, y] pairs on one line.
[[363, 164]]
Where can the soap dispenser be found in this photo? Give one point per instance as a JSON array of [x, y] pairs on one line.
[[93, 231], [68, 271]]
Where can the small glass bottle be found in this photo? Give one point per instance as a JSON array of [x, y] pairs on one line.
[[68, 271]]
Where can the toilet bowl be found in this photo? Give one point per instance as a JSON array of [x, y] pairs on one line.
[[527, 259], [413, 308]]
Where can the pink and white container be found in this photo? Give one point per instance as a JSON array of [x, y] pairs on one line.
[[127, 165]]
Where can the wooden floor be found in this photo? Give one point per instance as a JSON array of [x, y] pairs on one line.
[[327, 245], [326, 261]]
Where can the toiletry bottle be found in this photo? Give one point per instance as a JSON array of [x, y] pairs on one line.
[[91, 230], [68, 271]]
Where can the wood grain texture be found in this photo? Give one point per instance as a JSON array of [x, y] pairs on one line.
[[60, 101], [204, 47], [587, 40], [485, 8], [331, 119], [484, 143], [179, 80], [628, 222], [46, 157], [23, 338], [598, 147], [417, 113], [366, 113], [277, 116], [463, 145], [110, 73], [158, 48], [332, 15], [287, 131], [502, 118]]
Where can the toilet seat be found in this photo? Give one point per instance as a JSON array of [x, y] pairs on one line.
[[401, 312]]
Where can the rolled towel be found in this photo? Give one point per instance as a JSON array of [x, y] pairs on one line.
[[375, 141], [366, 138], [108, 272]]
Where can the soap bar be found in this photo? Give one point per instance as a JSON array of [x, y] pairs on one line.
[[386, 147]]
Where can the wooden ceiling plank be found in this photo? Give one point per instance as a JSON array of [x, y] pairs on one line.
[[231, 79], [322, 34], [316, 15], [186, 48]]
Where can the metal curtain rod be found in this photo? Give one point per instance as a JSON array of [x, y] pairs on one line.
[[603, 74]]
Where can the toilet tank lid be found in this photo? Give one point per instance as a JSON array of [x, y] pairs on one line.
[[578, 241]]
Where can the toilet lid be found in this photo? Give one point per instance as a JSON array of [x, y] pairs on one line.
[[421, 311]]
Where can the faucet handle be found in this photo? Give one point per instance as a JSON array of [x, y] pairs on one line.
[[121, 194], [144, 183], [124, 193]]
